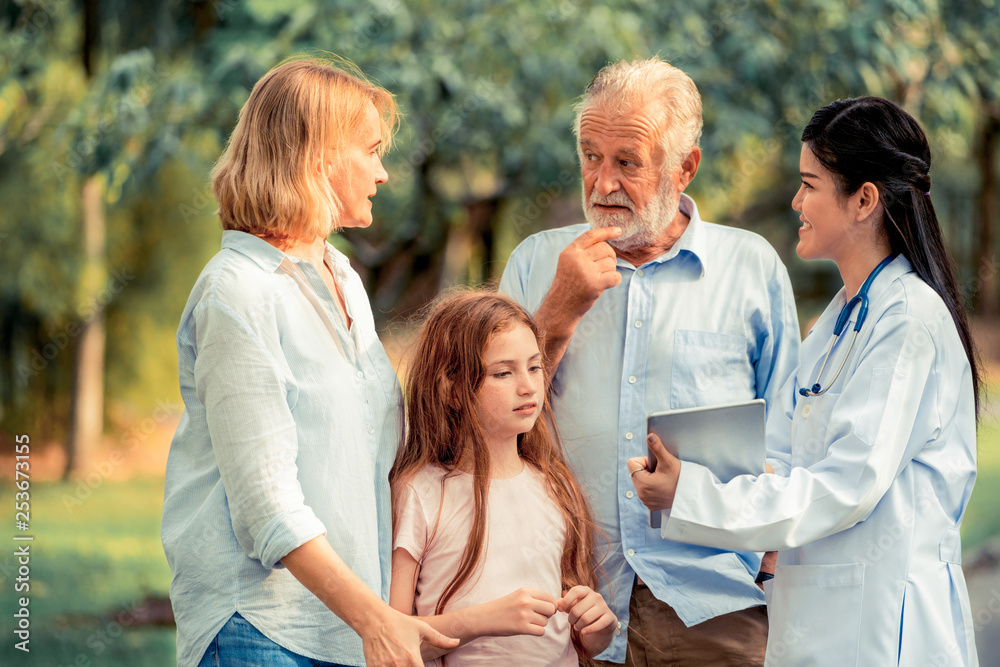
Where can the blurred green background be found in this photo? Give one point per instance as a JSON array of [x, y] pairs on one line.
[[112, 113]]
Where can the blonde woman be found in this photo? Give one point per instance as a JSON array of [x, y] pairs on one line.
[[276, 516]]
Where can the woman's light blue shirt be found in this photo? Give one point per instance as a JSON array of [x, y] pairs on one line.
[[290, 427], [872, 481]]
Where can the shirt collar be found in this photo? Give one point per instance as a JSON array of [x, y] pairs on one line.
[[266, 255], [897, 267], [692, 241], [260, 251]]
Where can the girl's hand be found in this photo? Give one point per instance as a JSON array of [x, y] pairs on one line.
[[396, 640], [590, 616], [656, 489], [523, 612]]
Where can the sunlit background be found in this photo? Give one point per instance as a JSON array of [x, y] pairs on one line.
[[112, 113]]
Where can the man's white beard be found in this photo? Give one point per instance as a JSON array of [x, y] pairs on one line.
[[639, 229]]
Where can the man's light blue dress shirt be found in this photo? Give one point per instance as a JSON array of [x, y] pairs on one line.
[[711, 321], [291, 424]]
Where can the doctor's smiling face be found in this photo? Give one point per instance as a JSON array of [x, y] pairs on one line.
[[829, 229]]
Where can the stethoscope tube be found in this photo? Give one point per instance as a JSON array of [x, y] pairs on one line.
[[845, 315]]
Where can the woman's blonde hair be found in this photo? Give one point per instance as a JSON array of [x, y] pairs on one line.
[[298, 117]]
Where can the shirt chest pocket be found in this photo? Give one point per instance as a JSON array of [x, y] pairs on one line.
[[709, 369]]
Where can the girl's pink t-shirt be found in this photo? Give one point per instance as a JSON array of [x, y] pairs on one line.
[[525, 534]]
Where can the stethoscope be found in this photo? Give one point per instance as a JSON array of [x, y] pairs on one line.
[[845, 315]]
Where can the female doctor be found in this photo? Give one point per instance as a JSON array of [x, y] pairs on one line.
[[874, 441]]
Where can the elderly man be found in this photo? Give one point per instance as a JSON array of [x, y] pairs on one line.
[[652, 309]]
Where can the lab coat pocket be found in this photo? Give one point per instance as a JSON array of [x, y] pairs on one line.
[[709, 369], [815, 615]]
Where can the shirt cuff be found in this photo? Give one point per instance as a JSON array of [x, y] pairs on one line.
[[691, 474], [285, 533]]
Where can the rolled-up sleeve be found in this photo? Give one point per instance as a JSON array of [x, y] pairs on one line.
[[246, 393]]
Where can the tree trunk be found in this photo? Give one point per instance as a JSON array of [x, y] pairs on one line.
[[468, 251], [87, 400], [986, 304]]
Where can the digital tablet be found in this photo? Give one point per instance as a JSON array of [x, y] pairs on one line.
[[726, 439]]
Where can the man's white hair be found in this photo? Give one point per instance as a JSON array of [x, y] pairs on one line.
[[622, 86]]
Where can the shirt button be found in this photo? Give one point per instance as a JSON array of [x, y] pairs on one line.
[[638, 323], [629, 494], [631, 552], [639, 273], [629, 436], [806, 410], [371, 430], [631, 379], [361, 374]]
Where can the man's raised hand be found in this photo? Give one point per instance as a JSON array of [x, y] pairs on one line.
[[586, 268]]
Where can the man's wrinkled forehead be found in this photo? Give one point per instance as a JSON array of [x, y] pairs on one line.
[[639, 124]]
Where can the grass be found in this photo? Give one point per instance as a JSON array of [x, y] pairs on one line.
[[90, 561], [97, 555], [982, 521]]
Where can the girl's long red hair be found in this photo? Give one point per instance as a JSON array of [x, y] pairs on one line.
[[442, 382]]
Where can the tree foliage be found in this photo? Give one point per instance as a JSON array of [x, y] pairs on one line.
[[142, 96]]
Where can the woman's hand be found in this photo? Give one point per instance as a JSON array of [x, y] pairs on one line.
[[655, 489], [398, 640], [388, 636], [590, 616], [526, 611]]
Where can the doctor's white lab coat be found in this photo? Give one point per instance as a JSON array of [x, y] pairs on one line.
[[872, 479]]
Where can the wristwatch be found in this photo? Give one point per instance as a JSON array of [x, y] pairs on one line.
[[764, 576]]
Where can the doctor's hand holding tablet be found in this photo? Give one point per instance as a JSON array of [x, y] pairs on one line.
[[873, 438]]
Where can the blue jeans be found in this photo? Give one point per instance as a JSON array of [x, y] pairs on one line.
[[239, 644]]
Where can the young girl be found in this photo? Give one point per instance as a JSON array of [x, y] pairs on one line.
[[493, 538]]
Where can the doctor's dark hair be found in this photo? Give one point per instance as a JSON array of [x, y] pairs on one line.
[[442, 383], [872, 140]]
